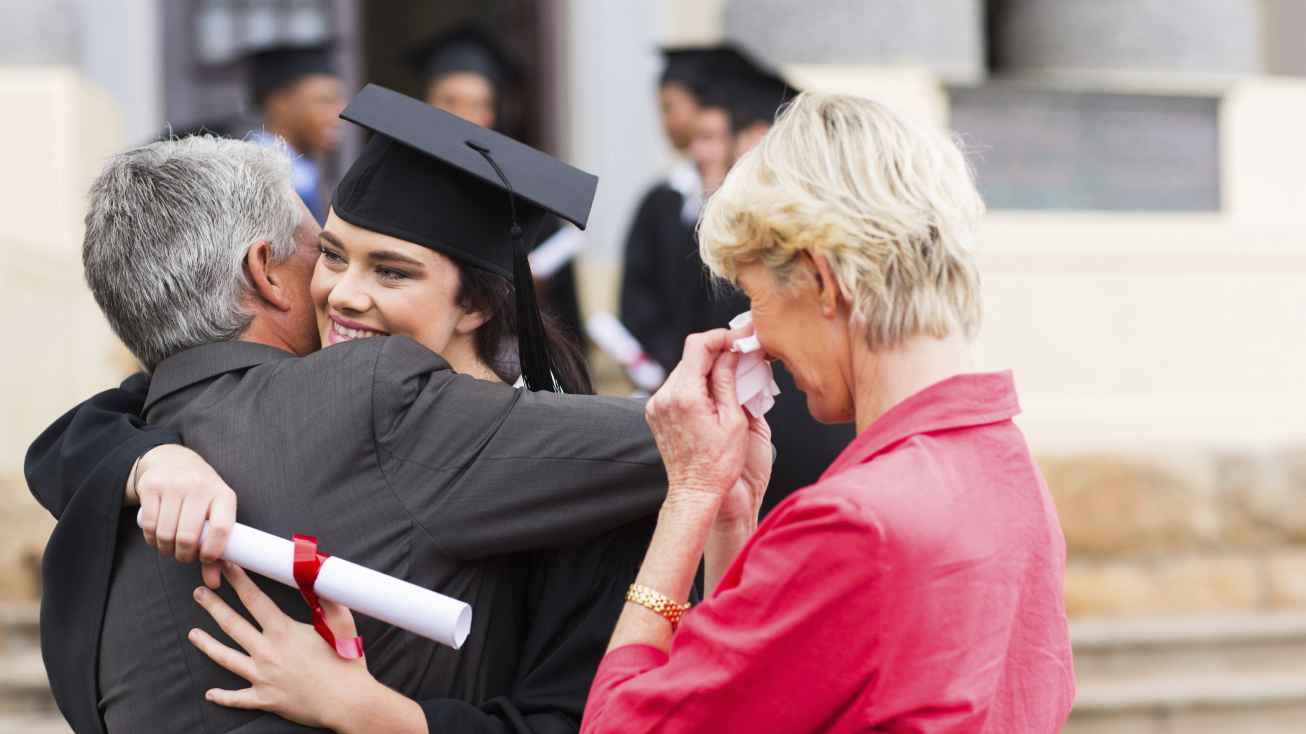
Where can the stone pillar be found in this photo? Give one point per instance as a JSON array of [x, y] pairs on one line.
[[1216, 37], [944, 36], [61, 349]]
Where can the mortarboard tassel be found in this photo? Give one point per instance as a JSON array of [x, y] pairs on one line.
[[532, 342]]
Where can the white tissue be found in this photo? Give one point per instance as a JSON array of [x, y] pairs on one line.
[[754, 382]]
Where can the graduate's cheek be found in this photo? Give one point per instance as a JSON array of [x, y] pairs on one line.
[[422, 309], [320, 291]]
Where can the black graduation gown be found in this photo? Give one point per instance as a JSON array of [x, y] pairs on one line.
[[554, 610], [665, 291]]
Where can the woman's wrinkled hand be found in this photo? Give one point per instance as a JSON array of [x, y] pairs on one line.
[[697, 421], [743, 502], [292, 671], [178, 492]]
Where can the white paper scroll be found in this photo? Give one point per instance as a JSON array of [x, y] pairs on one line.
[[394, 601], [754, 381], [556, 251], [613, 338]]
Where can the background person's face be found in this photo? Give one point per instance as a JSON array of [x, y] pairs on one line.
[[792, 328], [371, 284], [465, 94], [679, 107], [711, 146], [316, 102]]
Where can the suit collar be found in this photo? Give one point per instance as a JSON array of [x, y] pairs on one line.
[[206, 362]]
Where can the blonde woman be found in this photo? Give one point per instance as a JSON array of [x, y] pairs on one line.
[[916, 586]]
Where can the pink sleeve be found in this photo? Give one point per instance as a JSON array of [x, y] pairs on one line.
[[791, 617]]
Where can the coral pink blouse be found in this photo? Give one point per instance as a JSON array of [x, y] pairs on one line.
[[917, 587]]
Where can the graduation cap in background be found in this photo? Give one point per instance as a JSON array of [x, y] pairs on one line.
[[465, 48], [276, 67], [475, 195], [747, 89], [699, 67]]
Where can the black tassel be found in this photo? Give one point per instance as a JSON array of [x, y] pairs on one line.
[[532, 342]]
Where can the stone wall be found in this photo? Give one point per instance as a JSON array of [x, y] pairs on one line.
[[24, 528], [1182, 533]]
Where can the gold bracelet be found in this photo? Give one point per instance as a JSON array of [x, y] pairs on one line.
[[660, 604]]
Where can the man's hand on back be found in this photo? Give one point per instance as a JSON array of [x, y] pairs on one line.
[[178, 492]]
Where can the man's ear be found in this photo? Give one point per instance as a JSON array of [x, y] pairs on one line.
[[269, 285]]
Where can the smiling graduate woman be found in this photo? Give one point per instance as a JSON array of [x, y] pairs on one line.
[[533, 505]]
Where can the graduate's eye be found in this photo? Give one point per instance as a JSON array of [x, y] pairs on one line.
[[391, 274], [329, 255]]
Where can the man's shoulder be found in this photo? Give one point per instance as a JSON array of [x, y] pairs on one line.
[[368, 359]]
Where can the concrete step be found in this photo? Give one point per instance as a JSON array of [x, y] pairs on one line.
[[1242, 674], [24, 689], [1116, 651]]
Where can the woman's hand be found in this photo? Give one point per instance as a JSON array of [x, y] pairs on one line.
[[291, 670], [743, 502], [697, 421], [178, 491]]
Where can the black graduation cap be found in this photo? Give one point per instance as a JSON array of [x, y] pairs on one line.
[[683, 65], [275, 67], [467, 48], [473, 194], [747, 89]]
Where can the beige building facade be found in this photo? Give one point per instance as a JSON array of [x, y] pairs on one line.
[[1160, 354]]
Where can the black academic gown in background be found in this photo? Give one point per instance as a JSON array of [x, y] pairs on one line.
[[665, 291], [545, 615]]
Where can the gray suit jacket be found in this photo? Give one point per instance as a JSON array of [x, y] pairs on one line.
[[392, 461]]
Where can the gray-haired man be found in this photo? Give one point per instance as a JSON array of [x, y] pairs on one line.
[[201, 255]]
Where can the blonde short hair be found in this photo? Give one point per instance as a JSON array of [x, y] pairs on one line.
[[891, 206]]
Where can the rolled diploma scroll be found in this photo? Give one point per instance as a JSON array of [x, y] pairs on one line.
[[612, 337], [754, 381], [394, 601], [556, 251]]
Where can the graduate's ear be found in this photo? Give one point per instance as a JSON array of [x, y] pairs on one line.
[[268, 282], [470, 321]]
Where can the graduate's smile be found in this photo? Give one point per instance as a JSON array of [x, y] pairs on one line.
[[343, 330]]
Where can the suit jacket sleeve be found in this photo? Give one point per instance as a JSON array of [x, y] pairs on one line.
[[486, 469], [92, 447]]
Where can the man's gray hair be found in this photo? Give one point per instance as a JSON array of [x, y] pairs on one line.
[[167, 232]]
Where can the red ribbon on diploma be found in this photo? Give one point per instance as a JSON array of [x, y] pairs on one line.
[[308, 562]]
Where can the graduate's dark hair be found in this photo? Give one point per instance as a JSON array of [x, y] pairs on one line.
[[495, 295]]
